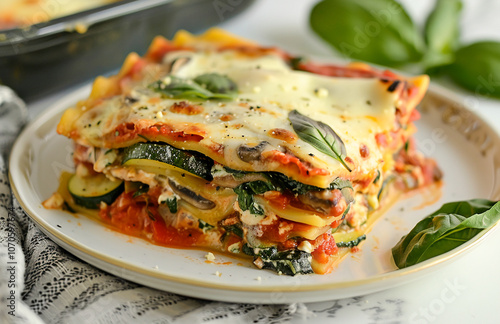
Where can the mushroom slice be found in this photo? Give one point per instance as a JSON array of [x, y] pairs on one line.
[[191, 197], [251, 153]]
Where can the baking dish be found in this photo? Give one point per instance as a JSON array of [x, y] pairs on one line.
[[45, 57]]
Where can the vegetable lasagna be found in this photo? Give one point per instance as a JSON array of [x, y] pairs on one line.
[[214, 142]]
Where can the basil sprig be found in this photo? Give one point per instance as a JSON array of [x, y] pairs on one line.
[[319, 135], [378, 31], [450, 226], [442, 32], [205, 86], [477, 67]]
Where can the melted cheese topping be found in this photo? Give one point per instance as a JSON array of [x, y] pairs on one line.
[[356, 108]]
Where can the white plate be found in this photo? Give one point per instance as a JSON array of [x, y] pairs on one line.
[[466, 149]]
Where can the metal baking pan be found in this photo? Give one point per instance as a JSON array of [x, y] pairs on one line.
[[46, 57]]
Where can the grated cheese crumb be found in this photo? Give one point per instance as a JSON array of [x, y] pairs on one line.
[[258, 278], [218, 274], [210, 256]]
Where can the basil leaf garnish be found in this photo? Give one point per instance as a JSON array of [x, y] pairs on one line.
[[218, 84], [378, 31], [477, 68], [205, 86], [319, 135], [442, 32], [450, 226]]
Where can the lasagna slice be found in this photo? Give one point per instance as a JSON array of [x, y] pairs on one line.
[[218, 143]]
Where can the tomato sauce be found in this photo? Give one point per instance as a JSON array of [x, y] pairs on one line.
[[290, 160], [325, 248], [138, 217]]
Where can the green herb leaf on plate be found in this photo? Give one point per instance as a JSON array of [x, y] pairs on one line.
[[378, 31], [442, 32], [477, 68], [447, 228], [206, 86], [319, 135]]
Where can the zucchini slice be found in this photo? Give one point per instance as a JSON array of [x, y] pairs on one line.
[[89, 192], [349, 239], [352, 243], [158, 156]]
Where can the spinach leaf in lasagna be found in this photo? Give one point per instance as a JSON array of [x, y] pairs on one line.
[[247, 190], [450, 226], [205, 86], [319, 135], [287, 262], [282, 182]]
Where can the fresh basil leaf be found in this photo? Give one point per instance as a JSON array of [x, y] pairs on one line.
[[319, 135], [442, 32], [217, 84], [206, 86], [175, 87], [247, 190], [378, 31], [477, 68], [450, 226]]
